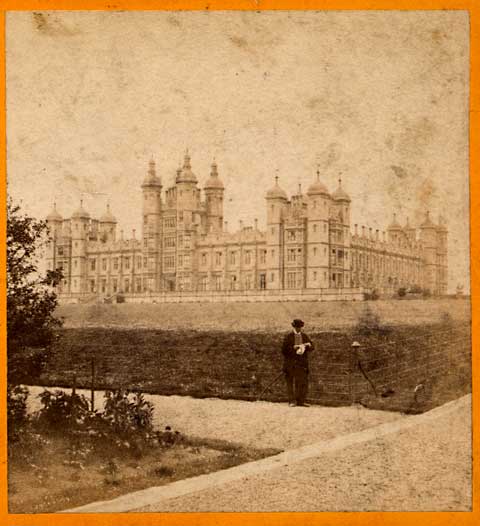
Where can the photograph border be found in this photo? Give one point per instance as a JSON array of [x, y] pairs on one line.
[[278, 518]]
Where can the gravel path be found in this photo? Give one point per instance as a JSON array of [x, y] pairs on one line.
[[255, 424], [423, 468]]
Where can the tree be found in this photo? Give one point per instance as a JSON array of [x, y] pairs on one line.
[[31, 298]]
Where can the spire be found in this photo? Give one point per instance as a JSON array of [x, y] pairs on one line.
[[151, 178], [151, 167], [276, 191], [186, 175], [214, 181], [214, 171], [340, 194], [54, 215], [186, 160]]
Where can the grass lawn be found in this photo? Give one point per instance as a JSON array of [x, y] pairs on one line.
[[265, 317], [47, 474]]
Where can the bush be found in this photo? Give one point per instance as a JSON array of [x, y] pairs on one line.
[[415, 289], [17, 416], [120, 298], [401, 292], [62, 411], [371, 296], [128, 413], [426, 293]]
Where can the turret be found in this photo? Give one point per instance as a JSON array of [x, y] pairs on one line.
[[394, 230], [214, 190], [80, 223], [319, 202], [276, 202], [341, 201], [340, 256], [428, 238], [54, 222], [186, 187], [152, 224], [107, 226]]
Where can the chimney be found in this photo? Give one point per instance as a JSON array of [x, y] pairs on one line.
[[256, 223], [356, 229], [377, 234], [133, 233], [363, 231], [226, 226], [370, 233]]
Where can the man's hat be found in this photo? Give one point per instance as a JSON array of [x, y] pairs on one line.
[[297, 323]]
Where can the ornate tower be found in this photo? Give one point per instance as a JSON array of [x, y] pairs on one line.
[[54, 222], [276, 201], [107, 226], [214, 190], [428, 238], [317, 235], [152, 227], [79, 227], [340, 254], [187, 191], [442, 253]]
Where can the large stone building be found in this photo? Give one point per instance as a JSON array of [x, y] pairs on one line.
[[186, 250]]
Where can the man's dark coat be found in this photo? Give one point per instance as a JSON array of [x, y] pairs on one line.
[[292, 360]]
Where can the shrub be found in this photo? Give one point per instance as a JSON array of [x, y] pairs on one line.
[[120, 298], [128, 413], [426, 293], [401, 292], [62, 411], [415, 289], [17, 416], [371, 296]]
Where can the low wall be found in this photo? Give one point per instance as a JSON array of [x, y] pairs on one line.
[[402, 368], [355, 294]]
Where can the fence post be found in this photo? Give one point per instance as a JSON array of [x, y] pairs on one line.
[[92, 396], [353, 366]]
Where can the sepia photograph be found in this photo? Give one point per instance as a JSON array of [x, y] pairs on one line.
[[238, 261]]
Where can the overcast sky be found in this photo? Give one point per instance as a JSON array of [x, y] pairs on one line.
[[380, 97]]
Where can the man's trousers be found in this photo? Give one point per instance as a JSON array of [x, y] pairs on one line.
[[297, 384]]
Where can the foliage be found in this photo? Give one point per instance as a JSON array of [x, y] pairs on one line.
[[120, 298], [426, 293], [16, 410], [415, 289], [62, 411], [128, 412], [31, 299], [371, 296], [401, 292]]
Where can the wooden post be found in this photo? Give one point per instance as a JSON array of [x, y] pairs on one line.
[[92, 363], [74, 403]]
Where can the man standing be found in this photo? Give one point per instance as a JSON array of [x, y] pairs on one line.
[[296, 348]]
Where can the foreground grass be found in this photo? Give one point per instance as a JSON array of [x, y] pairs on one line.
[[46, 475]]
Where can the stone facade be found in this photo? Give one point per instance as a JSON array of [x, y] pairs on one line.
[[186, 249]]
